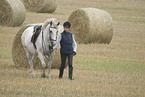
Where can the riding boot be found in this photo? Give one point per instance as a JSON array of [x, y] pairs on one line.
[[63, 60], [61, 73], [70, 73]]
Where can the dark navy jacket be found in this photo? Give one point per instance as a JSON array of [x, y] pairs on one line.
[[66, 43]]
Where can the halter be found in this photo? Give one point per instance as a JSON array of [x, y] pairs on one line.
[[50, 32], [51, 42]]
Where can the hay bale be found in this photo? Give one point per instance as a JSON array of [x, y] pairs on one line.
[[46, 6], [91, 25], [19, 54], [12, 12], [0, 28]]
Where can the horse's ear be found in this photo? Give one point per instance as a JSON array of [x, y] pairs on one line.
[[51, 23], [58, 23]]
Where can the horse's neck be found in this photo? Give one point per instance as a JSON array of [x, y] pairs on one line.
[[46, 36]]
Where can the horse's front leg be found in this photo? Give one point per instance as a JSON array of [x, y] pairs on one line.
[[43, 64], [49, 64], [49, 67]]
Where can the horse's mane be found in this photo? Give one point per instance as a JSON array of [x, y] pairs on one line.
[[47, 22]]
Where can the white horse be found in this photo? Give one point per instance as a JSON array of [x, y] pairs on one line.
[[45, 40]]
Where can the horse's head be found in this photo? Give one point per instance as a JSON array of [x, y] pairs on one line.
[[53, 31], [52, 28]]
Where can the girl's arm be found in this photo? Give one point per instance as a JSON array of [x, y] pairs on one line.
[[74, 44]]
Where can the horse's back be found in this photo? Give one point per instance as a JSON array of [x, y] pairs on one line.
[[26, 36]]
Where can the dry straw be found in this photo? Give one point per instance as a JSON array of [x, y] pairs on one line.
[[19, 54], [12, 12], [46, 6], [91, 25]]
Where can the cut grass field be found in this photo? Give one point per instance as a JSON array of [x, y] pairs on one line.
[[114, 70]]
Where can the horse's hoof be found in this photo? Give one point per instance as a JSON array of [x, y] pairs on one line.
[[33, 74], [30, 71], [43, 76], [48, 77]]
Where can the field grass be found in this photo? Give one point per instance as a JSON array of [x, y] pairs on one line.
[[114, 70]]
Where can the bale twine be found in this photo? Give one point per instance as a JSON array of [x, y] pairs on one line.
[[12, 12], [19, 54], [46, 6], [91, 25]]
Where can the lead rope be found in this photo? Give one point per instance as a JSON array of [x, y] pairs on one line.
[[43, 49], [51, 51]]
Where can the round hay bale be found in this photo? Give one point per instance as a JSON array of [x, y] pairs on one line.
[[45, 6], [19, 54], [0, 28], [12, 12], [91, 25]]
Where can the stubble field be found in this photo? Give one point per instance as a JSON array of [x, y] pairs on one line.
[[114, 70]]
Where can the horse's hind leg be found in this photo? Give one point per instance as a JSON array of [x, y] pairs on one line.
[[30, 62]]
